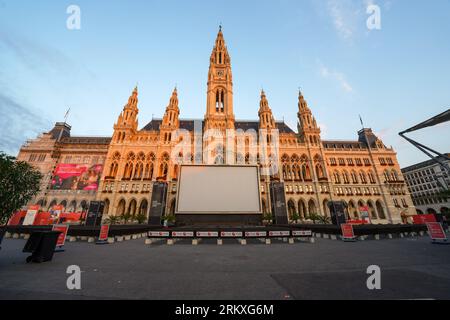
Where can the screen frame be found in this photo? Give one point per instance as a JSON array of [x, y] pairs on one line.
[[256, 167]]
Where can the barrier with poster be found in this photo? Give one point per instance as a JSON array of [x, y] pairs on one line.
[[437, 233], [103, 235], [30, 215], [63, 228], [348, 233]]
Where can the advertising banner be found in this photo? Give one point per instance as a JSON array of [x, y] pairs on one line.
[[424, 218], [104, 230], [364, 212], [230, 234], [76, 177], [436, 232], [347, 231], [42, 219], [159, 234], [16, 218], [63, 228], [31, 215]]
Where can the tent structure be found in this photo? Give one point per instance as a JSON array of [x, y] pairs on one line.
[[438, 157]]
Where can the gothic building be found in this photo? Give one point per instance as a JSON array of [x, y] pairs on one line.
[[363, 172]]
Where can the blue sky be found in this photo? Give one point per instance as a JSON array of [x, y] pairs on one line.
[[395, 77]]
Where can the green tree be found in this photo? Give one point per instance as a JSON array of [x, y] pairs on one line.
[[112, 220], [126, 217], [295, 216], [19, 183], [141, 218]]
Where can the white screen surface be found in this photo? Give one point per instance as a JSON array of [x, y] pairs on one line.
[[218, 189]]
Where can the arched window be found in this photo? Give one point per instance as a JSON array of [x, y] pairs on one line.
[[354, 177], [362, 177], [319, 171], [387, 176], [394, 175], [337, 177], [345, 177], [371, 177]]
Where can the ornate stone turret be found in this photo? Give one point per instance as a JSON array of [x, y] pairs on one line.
[[170, 120], [308, 129], [127, 122], [266, 119]]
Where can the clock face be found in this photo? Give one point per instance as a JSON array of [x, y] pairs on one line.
[[220, 73]]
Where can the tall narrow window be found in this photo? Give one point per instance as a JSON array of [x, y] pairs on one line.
[[217, 101], [222, 101]]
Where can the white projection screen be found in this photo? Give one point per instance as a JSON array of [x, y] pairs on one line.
[[206, 189]]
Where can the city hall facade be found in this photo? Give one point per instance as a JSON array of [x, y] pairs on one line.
[[121, 170]]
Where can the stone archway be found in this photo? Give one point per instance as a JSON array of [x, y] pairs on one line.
[[143, 207], [312, 208], [132, 207], [121, 207], [73, 206], [53, 203], [303, 212], [291, 208], [353, 212], [326, 209], [372, 211], [106, 207], [380, 210]]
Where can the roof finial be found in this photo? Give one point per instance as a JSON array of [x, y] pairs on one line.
[[220, 27]]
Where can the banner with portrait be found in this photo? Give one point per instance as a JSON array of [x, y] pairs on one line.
[[76, 177]]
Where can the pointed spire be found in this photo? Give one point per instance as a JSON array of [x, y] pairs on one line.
[[302, 104], [263, 104], [173, 103], [220, 54], [133, 99]]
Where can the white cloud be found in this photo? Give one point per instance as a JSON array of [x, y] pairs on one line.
[[337, 76], [343, 16]]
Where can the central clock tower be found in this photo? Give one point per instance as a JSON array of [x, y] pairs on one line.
[[219, 105]]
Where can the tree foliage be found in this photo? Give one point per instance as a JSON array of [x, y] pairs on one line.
[[19, 183]]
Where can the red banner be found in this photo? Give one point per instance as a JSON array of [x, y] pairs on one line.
[[424, 218], [104, 230], [63, 228], [436, 232], [42, 219], [347, 231]]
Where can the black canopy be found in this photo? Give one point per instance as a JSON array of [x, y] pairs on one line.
[[443, 117]]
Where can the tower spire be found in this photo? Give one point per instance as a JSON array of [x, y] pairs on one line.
[[266, 119], [219, 105]]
